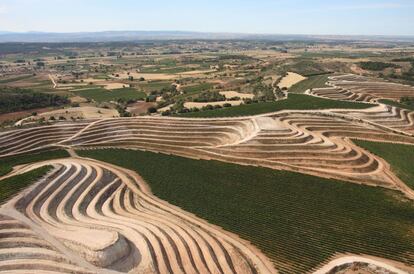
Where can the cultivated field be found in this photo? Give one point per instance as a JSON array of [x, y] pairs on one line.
[[272, 140], [206, 157], [261, 205]]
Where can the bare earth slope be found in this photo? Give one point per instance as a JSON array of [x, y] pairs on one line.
[[360, 88]]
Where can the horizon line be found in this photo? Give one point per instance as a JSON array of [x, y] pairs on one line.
[[5, 32]]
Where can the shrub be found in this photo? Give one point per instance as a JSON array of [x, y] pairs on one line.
[[152, 110], [210, 96]]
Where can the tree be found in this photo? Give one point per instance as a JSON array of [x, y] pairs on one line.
[[40, 64], [166, 113], [152, 110]]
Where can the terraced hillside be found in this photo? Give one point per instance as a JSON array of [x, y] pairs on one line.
[[313, 142], [299, 221], [102, 217], [23, 249], [398, 119], [359, 88], [96, 217], [35, 139]]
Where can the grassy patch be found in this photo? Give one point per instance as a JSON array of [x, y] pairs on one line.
[[168, 70], [104, 95], [7, 164], [10, 186], [317, 81], [295, 101], [194, 90], [101, 77], [305, 67], [197, 88], [297, 220], [400, 157]]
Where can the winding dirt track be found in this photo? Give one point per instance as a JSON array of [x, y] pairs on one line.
[[91, 217]]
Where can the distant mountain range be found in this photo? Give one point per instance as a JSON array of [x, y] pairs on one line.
[[124, 36]]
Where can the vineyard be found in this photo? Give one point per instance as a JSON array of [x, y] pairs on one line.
[[400, 157], [306, 184], [317, 81], [298, 221], [12, 185], [7, 164], [295, 101]]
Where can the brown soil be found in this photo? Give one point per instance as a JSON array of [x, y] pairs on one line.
[[14, 116], [140, 107]]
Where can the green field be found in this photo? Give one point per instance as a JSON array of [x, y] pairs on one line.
[[15, 79], [317, 81], [7, 164], [295, 101], [154, 85], [297, 220], [11, 186], [304, 67], [103, 95], [101, 76], [197, 88], [396, 104], [400, 157]]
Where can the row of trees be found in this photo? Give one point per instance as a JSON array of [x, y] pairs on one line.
[[179, 108], [376, 66], [16, 99]]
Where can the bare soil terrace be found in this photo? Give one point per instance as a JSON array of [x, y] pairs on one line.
[[87, 216]]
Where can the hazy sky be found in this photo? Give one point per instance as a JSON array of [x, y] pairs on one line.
[[247, 16]]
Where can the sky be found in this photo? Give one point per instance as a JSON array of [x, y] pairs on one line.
[[344, 17]]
